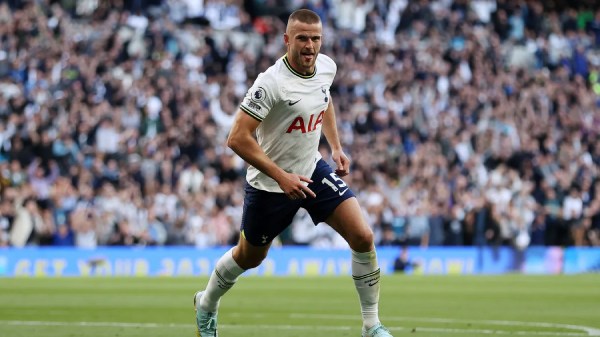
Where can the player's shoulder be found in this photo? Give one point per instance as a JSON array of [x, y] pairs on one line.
[[326, 63], [275, 67], [269, 78], [271, 73]]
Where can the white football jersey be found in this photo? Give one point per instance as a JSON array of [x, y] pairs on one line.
[[290, 107]]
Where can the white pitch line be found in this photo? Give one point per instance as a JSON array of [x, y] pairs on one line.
[[588, 330], [98, 324], [498, 332], [285, 327]]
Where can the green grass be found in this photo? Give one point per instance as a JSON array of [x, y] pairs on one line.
[[423, 306]]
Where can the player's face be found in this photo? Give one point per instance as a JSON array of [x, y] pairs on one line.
[[303, 43]]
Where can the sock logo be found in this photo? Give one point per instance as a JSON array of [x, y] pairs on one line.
[[369, 279], [373, 282], [223, 284]]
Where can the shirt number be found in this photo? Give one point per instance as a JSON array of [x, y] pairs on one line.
[[336, 181]]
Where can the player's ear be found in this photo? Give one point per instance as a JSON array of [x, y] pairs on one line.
[[286, 39]]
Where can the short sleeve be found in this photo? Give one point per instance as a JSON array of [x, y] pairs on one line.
[[261, 97]]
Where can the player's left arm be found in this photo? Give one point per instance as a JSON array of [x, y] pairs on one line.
[[331, 134]]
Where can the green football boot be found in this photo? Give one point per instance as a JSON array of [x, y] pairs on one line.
[[377, 330], [206, 322]]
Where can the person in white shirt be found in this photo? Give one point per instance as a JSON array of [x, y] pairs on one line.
[[572, 212], [288, 107]]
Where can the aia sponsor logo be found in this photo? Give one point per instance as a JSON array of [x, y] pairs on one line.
[[304, 126]]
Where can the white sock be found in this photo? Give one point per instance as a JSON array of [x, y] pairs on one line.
[[365, 273], [223, 277]]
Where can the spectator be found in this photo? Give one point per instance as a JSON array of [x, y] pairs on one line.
[[27, 222], [402, 263], [63, 236], [572, 212]]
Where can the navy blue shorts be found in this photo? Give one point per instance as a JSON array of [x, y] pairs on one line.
[[267, 214]]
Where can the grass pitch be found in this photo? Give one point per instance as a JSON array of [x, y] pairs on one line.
[[420, 306]]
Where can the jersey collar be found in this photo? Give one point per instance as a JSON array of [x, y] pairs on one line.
[[289, 66]]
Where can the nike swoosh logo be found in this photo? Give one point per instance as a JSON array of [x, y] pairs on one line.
[[290, 103], [342, 192], [374, 283]]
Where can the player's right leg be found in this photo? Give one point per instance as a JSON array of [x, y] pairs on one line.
[[265, 216], [230, 266]]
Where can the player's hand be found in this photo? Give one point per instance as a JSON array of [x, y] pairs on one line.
[[294, 188], [342, 162]]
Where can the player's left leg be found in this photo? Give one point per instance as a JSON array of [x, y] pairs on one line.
[[348, 221], [336, 205]]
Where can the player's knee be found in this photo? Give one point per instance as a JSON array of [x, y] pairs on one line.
[[248, 259], [362, 241], [254, 261]]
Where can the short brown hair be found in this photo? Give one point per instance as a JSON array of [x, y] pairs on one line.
[[304, 16]]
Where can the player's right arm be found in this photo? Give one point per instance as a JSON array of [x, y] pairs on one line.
[[241, 140]]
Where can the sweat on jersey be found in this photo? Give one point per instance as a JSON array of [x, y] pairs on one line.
[[290, 107]]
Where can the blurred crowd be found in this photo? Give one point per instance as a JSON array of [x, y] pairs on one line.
[[468, 122]]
